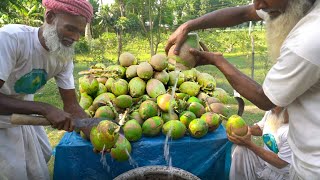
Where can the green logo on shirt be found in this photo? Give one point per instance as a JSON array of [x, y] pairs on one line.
[[31, 82], [270, 142]]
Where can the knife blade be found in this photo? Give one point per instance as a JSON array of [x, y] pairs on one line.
[[37, 120]]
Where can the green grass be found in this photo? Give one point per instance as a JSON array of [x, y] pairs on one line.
[[251, 114]]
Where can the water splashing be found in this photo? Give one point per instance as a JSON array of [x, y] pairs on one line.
[[103, 159], [166, 151], [132, 162]]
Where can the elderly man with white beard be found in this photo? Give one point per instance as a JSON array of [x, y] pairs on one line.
[[249, 161], [294, 80], [29, 57]]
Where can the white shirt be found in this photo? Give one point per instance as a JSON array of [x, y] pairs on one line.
[[280, 135], [294, 82], [26, 66]]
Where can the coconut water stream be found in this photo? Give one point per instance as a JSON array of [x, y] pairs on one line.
[[103, 159], [132, 162], [166, 149]]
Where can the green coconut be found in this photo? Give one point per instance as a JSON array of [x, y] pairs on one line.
[[96, 139], [123, 101], [145, 71], [122, 150], [137, 87], [102, 89], [206, 81], [152, 126], [111, 96], [98, 66], [116, 71], [85, 100], [174, 129], [165, 102], [120, 87], [109, 84], [182, 96], [155, 88], [104, 136], [190, 88], [89, 84], [222, 95], [236, 125], [126, 59], [186, 117], [162, 76], [167, 116], [198, 128], [175, 77], [212, 119], [194, 99], [171, 67], [131, 71], [132, 130], [197, 108], [190, 75], [148, 109], [102, 80], [136, 116], [210, 100], [102, 98], [105, 112], [185, 60], [218, 108], [159, 62]]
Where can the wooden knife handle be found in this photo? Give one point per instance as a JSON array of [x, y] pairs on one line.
[[22, 119]]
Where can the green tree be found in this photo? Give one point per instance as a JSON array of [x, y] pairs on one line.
[[21, 12]]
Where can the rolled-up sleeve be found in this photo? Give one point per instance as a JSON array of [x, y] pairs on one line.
[[289, 78], [8, 55], [65, 78]]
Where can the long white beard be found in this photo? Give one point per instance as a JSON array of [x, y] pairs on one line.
[[56, 48], [274, 122], [279, 27]]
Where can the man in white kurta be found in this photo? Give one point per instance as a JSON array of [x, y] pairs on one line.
[[25, 67], [248, 164], [295, 82], [29, 57]]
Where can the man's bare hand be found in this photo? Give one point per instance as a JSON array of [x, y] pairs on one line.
[[241, 140], [177, 38], [204, 57], [59, 119]]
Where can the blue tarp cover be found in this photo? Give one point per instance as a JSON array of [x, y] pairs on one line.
[[207, 157]]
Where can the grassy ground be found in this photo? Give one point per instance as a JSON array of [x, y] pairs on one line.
[[251, 115]]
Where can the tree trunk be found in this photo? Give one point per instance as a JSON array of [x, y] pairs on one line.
[[158, 37], [119, 36], [88, 34], [150, 29], [122, 8]]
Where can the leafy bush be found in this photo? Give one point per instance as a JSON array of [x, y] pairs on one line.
[[82, 46]]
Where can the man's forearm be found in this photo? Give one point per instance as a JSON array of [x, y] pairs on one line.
[[10, 105], [247, 87], [226, 17], [71, 105], [266, 155]]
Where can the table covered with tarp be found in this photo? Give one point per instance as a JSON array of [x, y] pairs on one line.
[[207, 157]]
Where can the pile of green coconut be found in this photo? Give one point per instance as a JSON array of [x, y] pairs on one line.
[[148, 99]]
